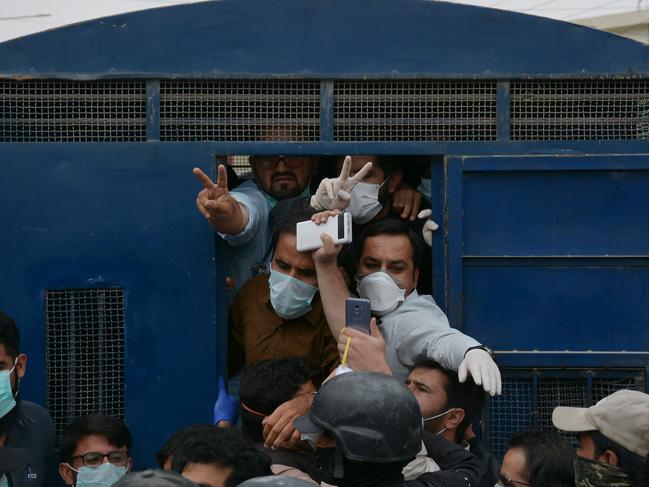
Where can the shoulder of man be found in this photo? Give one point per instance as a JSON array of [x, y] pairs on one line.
[[35, 414]]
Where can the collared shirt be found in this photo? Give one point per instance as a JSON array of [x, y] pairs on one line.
[[251, 248], [34, 431], [258, 333], [418, 328]]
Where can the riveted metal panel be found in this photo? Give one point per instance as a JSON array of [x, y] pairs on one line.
[[410, 110], [240, 110], [72, 111], [84, 353], [580, 109]]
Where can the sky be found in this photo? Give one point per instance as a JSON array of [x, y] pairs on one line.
[[23, 17]]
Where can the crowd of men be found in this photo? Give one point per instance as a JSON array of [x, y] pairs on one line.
[[312, 400]]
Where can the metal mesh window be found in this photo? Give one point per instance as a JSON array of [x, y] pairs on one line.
[[579, 110], [529, 397], [72, 111], [240, 110], [414, 110], [84, 353]]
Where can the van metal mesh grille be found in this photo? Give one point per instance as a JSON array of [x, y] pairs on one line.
[[240, 110], [525, 405], [72, 111], [84, 353], [579, 110], [414, 110]]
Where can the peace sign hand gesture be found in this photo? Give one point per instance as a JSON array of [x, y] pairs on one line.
[[334, 194], [214, 202]]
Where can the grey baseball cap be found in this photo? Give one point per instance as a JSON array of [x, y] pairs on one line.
[[12, 459], [154, 478], [623, 417]]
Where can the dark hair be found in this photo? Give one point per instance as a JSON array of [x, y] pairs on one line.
[[632, 463], [175, 440], [287, 214], [391, 226], [388, 164], [466, 395], [115, 432], [548, 458], [209, 444], [265, 386], [9, 335]]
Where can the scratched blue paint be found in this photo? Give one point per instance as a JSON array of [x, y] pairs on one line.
[[112, 214], [364, 38]]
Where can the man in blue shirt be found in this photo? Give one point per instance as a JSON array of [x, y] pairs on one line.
[[240, 216]]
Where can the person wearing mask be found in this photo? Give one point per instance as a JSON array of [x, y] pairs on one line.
[[537, 459], [280, 314], [23, 424], [367, 426], [448, 407], [94, 451], [408, 326], [613, 438]]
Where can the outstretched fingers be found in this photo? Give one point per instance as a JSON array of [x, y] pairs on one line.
[[358, 177], [203, 178]]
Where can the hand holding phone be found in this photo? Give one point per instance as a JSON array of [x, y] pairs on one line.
[[338, 227], [358, 314]]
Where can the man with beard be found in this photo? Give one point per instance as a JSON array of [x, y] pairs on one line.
[[240, 216], [23, 424], [366, 427]]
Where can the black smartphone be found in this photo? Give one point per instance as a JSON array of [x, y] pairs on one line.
[[358, 314]]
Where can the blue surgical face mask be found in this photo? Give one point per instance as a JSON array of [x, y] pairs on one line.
[[290, 297], [3, 481], [7, 399], [104, 475]]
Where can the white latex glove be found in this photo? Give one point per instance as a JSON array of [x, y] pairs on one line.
[[429, 227], [334, 194], [483, 370]]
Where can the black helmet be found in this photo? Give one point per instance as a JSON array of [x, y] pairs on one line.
[[374, 417], [276, 481]]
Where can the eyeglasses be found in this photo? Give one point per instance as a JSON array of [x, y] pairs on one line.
[[271, 162], [94, 459], [507, 482]]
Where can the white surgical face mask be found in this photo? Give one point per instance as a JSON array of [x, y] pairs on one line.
[[290, 297], [364, 203], [104, 475], [7, 399], [423, 420], [383, 293]]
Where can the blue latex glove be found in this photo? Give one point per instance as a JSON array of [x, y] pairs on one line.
[[226, 407]]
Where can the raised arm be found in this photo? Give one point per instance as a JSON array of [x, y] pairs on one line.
[[224, 213], [331, 284]]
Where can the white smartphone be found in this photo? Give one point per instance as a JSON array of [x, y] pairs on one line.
[[338, 227]]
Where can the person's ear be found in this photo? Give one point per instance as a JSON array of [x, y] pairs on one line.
[[66, 473], [21, 365], [610, 457], [454, 418], [129, 464], [394, 181]]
